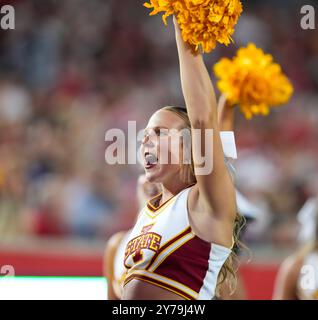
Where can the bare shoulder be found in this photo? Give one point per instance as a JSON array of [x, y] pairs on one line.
[[114, 241], [291, 265], [110, 252], [108, 261], [285, 287]]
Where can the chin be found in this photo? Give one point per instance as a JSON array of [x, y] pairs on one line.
[[153, 177]]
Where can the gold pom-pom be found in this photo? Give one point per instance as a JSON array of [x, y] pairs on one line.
[[203, 23], [253, 81]]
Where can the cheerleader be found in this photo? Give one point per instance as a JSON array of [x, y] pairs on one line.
[[114, 269], [181, 245], [297, 277]]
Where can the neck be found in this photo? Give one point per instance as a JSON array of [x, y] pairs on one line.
[[171, 189]]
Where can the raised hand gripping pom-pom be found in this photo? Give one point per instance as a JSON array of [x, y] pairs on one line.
[[203, 23]]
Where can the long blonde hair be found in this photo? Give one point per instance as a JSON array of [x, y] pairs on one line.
[[229, 269]]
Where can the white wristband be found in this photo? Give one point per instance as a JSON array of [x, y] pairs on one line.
[[228, 144]]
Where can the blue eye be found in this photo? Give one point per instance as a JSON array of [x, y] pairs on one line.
[[162, 133], [158, 132]]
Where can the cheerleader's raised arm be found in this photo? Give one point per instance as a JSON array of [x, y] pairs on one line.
[[213, 197]]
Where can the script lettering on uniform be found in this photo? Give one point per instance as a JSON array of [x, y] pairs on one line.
[[146, 240]]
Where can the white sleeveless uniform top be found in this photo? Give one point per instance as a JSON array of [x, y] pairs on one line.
[[163, 250], [307, 285]]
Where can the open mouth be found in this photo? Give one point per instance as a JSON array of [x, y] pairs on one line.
[[150, 160]]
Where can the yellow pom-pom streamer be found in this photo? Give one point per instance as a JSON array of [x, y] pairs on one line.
[[203, 23], [253, 81]]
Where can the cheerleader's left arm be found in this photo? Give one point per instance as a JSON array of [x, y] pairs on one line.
[[215, 187]]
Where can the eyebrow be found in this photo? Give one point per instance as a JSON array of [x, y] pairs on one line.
[[157, 127]]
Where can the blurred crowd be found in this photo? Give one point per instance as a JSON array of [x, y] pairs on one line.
[[73, 69]]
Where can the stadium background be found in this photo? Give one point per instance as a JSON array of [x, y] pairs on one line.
[[73, 69]]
